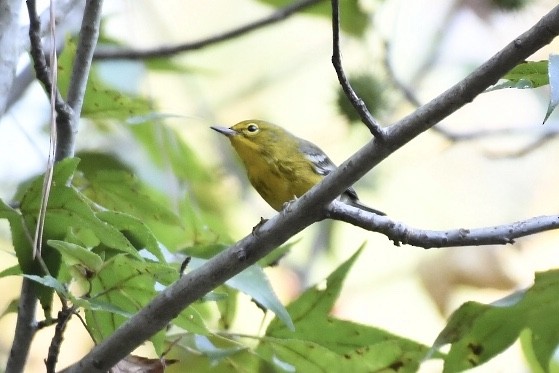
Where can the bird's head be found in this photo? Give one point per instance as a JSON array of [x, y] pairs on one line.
[[252, 133]]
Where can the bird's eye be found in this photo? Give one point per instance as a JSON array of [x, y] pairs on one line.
[[252, 128]]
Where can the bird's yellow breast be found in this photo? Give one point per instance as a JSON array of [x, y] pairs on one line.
[[277, 181]]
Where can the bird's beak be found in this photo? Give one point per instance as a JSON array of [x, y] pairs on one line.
[[224, 131]]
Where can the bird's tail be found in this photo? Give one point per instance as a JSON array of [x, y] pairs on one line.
[[358, 204]]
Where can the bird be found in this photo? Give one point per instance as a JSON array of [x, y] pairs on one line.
[[280, 165]]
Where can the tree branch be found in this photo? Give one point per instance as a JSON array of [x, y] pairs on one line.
[[401, 233], [63, 318], [167, 51], [66, 13], [42, 70], [357, 102], [411, 97], [311, 207], [26, 326], [89, 33], [66, 124]]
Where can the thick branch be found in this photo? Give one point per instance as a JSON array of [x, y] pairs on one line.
[[401, 233], [311, 206], [168, 51]]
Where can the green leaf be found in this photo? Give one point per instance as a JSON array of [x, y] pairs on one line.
[[478, 332], [50, 282], [360, 347], [353, 19], [121, 191], [275, 256], [316, 301], [227, 307], [135, 231], [254, 282], [12, 307], [203, 216], [553, 84], [528, 74], [77, 255], [11, 271], [204, 345], [23, 246], [100, 306], [127, 285], [101, 102], [68, 208], [217, 354], [191, 321], [295, 355]]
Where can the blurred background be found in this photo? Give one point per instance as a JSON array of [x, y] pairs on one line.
[[407, 51]]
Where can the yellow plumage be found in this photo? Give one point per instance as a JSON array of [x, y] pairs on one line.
[[279, 165]]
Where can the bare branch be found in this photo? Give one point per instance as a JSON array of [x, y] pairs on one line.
[[62, 320], [40, 62], [358, 104], [26, 326], [26, 323], [401, 233], [89, 33], [311, 207], [65, 18], [167, 51], [66, 125], [412, 98]]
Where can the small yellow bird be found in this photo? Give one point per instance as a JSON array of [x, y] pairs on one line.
[[281, 166]]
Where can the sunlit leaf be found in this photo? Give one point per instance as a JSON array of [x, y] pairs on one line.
[[205, 346], [357, 347], [75, 254], [11, 271], [296, 355], [101, 102], [191, 320], [128, 285], [477, 332], [12, 307], [50, 282], [528, 74], [254, 282], [135, 231]]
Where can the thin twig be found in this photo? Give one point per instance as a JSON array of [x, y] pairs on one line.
[[167, 51], [366, 117], [40, 63], [62, 320], [452, 136], [400, 233]]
